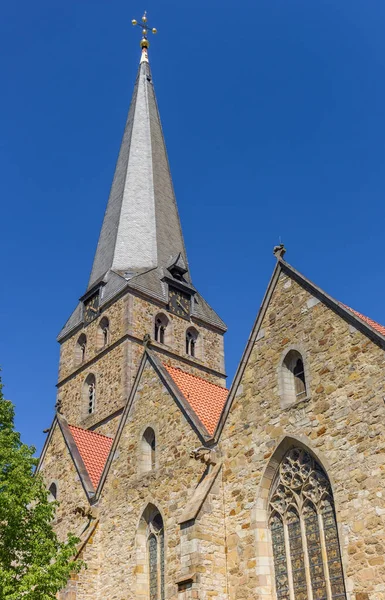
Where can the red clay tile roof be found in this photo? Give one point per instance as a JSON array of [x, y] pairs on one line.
[[374, 324], [94, 449], [206, 399]]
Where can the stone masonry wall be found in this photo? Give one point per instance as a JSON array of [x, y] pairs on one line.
[[341, 422], [59, 468], [108, 371], [115, 365], [203, 549], [209, 348], [127, 492]]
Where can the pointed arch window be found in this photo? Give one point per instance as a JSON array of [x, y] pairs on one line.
[[81, 348], [294, 386], [150, 557], [191, 342], [155, 557], [304, 534], [52, 492], [103, 335], [89, 393], [299, 378], [160, 327], [148, 451]]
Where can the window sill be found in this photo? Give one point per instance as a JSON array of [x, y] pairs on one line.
[[297, 404]]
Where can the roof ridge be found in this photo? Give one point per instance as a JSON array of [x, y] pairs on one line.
[[90, 431], [196, 377]]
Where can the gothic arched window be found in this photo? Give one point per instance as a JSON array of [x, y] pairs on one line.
[[150, 557], [304, 534], [148, 451], [103, 334], [191, 341], [155, 557], [80, 350], [293, 378], [160, 326], [89, 393], [52, 492]]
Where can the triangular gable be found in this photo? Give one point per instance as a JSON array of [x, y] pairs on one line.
[[61, 423], [175, 393], [368, 327]]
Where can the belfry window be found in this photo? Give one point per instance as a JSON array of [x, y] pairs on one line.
[[103, 335], [89, 393], [80, 350], [160, 327], [293, 379], [304, 534], [191, 342], [148, 451]]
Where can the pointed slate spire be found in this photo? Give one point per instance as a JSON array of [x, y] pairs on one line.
[[141, 228]]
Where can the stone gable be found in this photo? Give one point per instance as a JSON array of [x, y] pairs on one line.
[[340, 421], [57, 466], [115, 364], [169, 486]]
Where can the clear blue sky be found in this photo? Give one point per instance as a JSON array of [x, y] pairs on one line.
[[273, 112]]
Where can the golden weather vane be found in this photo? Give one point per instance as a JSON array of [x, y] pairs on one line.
[[145, 29]]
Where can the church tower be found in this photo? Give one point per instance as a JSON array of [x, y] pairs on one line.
[[140, 289]]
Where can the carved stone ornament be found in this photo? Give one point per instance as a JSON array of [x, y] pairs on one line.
[[204, 455]]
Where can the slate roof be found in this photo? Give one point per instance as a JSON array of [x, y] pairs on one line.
[[141, 227], [206, 399], [141, 233], [151, 284], [94, 449]]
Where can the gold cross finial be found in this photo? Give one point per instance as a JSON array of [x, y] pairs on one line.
[[144, 43]]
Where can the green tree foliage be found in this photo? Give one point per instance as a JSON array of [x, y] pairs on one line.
[[34, 564]]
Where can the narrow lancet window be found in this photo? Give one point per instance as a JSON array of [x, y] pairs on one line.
[[293, 380], [52, 492], [151, 556], [103, 333], [156, 558], [89, 393], [307, 560], [299, 378], [148, 451], [80, 350]]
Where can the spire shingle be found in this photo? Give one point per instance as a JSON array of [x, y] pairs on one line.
[[141, 227]]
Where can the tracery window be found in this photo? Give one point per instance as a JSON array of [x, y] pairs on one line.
[[304, 534], [155, 557]]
